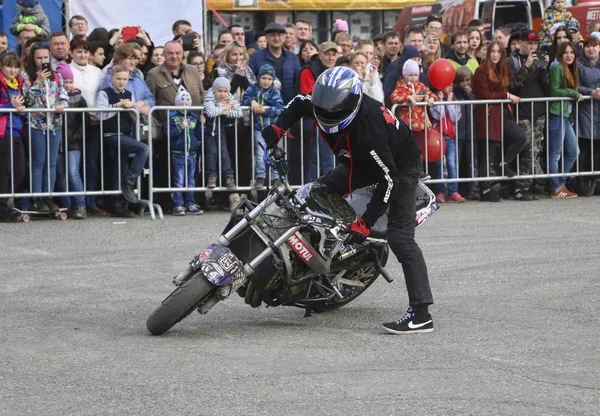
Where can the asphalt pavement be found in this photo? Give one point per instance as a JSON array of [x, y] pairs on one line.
[[517, 324]]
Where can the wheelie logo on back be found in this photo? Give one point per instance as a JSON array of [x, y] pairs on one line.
[[300, 248]]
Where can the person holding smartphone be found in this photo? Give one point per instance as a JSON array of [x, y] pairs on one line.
[[528, 74], [44, 88]]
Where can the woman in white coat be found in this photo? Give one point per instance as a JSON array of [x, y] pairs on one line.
[[368, 74]]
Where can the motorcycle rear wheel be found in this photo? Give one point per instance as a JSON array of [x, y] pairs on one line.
[[179, 304], [366, 275]]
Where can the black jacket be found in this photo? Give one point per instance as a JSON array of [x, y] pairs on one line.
[[73, 128], [526, 82], [376, 146]]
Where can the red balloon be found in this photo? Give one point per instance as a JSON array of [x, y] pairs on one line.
[[441, 73], [434, 148]]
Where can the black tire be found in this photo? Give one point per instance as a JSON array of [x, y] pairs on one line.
[[179, 304]]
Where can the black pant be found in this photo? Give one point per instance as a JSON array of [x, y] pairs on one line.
[[401, 224], [10, 166], [515, 140]]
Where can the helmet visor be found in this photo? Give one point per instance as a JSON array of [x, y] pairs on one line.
[[332, 99]]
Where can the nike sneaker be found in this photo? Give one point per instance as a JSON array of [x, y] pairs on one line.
[[408, 325]]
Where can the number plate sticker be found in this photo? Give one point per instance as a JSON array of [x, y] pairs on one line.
[[218, 264]]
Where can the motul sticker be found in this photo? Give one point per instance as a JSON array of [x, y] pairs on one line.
[[300, 248]]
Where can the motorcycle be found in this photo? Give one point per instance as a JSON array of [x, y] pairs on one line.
[[287, 250]]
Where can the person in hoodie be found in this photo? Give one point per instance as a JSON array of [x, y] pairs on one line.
[[458, 55], [31, 16], [183, 130], [258, 96], [12, 164], [219, 103]]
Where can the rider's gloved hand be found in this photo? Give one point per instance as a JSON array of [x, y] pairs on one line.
[[358, 232], [271, 134]]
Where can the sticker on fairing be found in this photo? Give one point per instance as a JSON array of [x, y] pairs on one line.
[[300, 248], [218, 264]]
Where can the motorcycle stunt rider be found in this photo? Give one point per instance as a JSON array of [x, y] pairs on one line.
[[373, 147]]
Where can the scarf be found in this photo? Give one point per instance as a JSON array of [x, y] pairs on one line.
[[228, 71], [13, 84]]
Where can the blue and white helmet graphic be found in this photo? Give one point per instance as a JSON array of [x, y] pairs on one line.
[[336, 98]]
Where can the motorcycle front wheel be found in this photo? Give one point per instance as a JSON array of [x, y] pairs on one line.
[[184, 300]]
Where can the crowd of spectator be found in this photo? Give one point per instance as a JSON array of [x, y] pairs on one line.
[[263, 71]]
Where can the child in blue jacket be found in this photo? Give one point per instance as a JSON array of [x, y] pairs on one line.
[[258, 96], [184, 128]]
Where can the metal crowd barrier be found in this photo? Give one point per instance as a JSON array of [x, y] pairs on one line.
[[296, 153], [473, 176], [25, 191]]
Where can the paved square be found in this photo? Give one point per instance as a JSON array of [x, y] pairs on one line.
[[517, 324]]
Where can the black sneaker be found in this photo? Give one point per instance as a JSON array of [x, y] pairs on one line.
[[230, 183], [52, 207], [128, 192], [523, 195], [490, 196], [508, 172], [407, 325], [121, 212], [39, 205], [473, 196]]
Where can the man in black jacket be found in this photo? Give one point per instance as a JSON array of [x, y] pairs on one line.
[[373, 147], [529, 78]]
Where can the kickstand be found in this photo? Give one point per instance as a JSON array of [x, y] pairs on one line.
[[308, 312]]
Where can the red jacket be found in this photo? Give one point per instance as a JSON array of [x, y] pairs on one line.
[[414, 117], [486, 89], [5, 99]]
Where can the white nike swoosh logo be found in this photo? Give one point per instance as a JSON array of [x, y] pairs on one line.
[[417, 326]]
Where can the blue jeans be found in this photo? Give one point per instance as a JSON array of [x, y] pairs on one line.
[[450, 165], [75, 182], [260, 170], [42, 156], [130, 171], [93, 142], [178, 162], [561, 135], [211, 150]]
